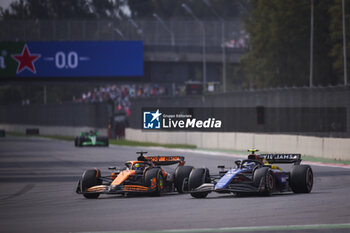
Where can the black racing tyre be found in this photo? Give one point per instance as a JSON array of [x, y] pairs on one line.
[[106, 141], [150, 175], [181, 173], [264, 179], [103, 139], [76, 141], [80, 141], [301, 179], [100, 139], [198, 177], [90, 178]]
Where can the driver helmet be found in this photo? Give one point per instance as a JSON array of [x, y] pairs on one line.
[[254, 157], [138, 166], [249, 164], [257, 157]]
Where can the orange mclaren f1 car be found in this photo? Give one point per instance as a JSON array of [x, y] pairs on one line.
[[141, 176]]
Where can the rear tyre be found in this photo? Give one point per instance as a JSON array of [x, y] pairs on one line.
[[106, 141], [90, 178], [103, 140], [154, 179], [301, 179], [264, 180], [198, 177], [181, 173]]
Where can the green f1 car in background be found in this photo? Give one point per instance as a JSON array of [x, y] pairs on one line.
[[90, 139]]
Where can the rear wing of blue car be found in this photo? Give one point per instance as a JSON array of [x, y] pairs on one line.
[[282, 158]]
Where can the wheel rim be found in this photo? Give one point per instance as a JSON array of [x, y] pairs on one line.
[[161, 183], [309, 179], [269, 184]]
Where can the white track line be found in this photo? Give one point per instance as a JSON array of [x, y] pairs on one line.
[[242, 229]]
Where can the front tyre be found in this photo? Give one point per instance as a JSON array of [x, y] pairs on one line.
[[80, 141], [76, 141], [155, 180], [2, 133], [181, 173], [89, 179], [198, 177], [301, 179], [264, 180]]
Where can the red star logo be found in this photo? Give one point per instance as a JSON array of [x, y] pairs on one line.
[[26, 60]]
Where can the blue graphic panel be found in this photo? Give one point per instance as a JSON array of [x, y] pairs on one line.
[[81, 59]]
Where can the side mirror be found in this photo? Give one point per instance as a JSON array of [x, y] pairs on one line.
[[111, 168], [221, 166]]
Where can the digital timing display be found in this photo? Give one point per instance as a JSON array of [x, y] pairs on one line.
[[71, 59]]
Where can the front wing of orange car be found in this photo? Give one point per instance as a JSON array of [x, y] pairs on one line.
[[119, 189]]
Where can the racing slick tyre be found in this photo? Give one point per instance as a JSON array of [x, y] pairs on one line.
[[198, 177], [155, 180], [79, 141], [181, 173], [90, 178], [105, 139], [264, 180], [2, 133], [301, 179], [76, 141]]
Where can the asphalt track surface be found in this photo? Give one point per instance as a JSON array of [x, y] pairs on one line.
[[37, 194]]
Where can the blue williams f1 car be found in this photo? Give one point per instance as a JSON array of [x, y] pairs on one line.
[[256, 174]]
